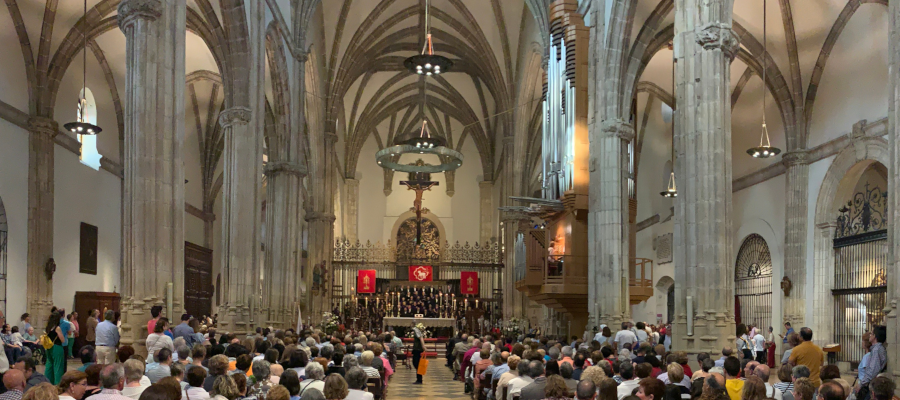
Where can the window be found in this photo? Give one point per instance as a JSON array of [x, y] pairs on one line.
[[89, 154]]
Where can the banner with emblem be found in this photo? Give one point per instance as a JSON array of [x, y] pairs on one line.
[[365, 281], [468, 282], [420, 273]]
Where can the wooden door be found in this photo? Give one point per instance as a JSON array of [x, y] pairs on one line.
[[198, 283], [86, 301]]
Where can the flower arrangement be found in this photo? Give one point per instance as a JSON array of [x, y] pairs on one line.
[[411, 333], [513, 327], [329, 323]]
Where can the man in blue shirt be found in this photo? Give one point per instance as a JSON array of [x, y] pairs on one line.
[[790, 330], [65, 326], [183, 330], [107, 339], [876, 361]]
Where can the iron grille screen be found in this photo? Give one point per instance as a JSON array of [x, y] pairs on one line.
[[753, 283], [860, 292]]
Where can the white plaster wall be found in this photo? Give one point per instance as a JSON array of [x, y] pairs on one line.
[[372, 201], [84, 195], [14, 192]]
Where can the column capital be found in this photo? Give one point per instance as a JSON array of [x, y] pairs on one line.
[[317, 217], [718, 36], [618, 128], [274, 168], [301, 55], [43, 125], [234, 115], [795, 157], [130, 10]]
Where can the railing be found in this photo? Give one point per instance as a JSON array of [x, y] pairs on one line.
[[378, 253], [640, 280]]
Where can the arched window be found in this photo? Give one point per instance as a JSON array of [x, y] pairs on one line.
[[89, 154], [753, 283], [4, 234]]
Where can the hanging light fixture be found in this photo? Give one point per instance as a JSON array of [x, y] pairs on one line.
[[671, 191], [765, 149], [428, 63], [82, 126]]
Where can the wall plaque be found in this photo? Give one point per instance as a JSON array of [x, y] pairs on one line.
[[88, 252]]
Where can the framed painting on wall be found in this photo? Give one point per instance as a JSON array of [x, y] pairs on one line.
[[88, 251]]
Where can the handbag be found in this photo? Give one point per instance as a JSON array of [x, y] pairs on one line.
[[45, 342], [423, 367]]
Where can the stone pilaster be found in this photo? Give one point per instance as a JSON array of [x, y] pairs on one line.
[[153, 203], [892, 321], [796, 203], [609, 260], [705, 45], [486, 194], [351, 209], [242, 161], [40, 218]]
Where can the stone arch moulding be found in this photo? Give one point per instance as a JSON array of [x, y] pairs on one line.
[[411, 214], [838, 184], [775, 242]]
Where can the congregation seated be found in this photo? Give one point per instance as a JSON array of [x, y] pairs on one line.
[[25, 365], [357, 385], [134, 372], [315, 377], [365, 362]]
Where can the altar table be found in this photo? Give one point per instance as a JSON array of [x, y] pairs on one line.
[[428, 322]]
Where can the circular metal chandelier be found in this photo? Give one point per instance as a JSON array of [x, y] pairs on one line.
[[428, 63], [765, 149], [424, 143], [82, 126]]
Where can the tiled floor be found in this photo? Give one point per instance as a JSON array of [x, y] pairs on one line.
[[438, 384]]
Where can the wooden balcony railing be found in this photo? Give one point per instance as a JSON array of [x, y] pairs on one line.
[[640, 280]]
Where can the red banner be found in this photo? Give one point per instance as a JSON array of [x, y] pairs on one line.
[[365, 281], [420, 273], [468, 282]]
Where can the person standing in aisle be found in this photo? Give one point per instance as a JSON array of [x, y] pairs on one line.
[[418, 349]]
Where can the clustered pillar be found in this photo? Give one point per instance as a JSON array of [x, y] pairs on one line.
[[704, 46], [796, 199], [153, 205], [40, 218], [892, 321]]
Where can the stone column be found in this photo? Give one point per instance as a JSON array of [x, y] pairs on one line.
[[319, 275], [796, 203], [153, 205], [242, 169], [609, 259], [705, 45], [40, 219], [892, 321], [486, 192], [283, 239], [351, 211]]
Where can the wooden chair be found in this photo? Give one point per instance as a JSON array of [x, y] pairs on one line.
[[505, 392], [494, 383], [515, 396], [334, 369], [483, 383], [376, 387]]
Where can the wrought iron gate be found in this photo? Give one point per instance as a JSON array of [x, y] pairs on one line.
[[860, 283], [753, 283]]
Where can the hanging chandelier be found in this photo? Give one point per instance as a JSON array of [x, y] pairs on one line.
[[765, 149], [671, 191], [423, 143], [427, 63], [82, 126]]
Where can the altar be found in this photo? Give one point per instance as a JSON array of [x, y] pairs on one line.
[[428, 322]]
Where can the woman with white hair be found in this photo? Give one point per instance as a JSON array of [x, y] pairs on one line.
[[365, 362], [315, 378]]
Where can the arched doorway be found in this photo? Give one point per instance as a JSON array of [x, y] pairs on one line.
[[753, 283]]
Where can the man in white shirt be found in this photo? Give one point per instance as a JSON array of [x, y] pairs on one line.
[[524, 379], [759, 346], [762, 371], [641, 332], [624, 338], [629, 382]]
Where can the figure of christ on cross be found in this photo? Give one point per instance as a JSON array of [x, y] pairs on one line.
[[420, 182]]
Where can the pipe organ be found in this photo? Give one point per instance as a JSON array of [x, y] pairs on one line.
[[565, 132]]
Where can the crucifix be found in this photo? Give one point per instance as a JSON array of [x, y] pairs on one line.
[[420, 182]]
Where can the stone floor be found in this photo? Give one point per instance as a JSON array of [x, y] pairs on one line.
[[438, 384]]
